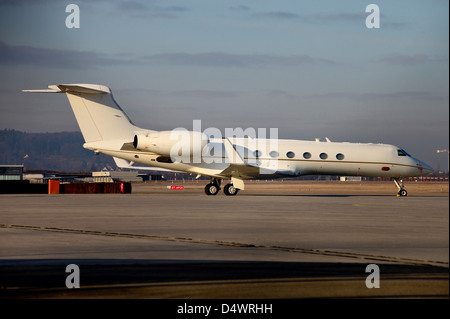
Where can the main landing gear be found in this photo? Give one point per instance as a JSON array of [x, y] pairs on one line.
[[212, 189], [401, 189], [214, 186]]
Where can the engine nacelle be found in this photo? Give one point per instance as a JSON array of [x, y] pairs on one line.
[[178, 143]]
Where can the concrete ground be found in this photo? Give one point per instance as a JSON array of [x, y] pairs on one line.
[[272, 240]]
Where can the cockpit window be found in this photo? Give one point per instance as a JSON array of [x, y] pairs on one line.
[[402, 153]]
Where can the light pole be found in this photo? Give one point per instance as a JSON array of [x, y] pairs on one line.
[[448, 152]]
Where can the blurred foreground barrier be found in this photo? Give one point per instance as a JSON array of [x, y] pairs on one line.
[[95, 188]]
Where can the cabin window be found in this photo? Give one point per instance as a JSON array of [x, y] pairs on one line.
[[402, 153], [323, 156], [307, 155], [290, 154], [273, 154], [257, 153], [340, 156]]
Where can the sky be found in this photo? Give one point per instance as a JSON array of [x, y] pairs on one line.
[[312, 69]]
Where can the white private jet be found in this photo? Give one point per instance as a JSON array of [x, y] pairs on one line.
[[107, 129]]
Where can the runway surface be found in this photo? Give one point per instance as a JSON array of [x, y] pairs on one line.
[[273, 240]]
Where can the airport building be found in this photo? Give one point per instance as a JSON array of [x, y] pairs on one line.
[[116, 176], [11, 172], [96, 177]]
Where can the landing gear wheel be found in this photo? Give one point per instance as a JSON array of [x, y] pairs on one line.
[[211, 189], [402, 192], [230, 190]]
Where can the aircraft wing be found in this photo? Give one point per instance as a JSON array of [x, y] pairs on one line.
[[250, 171], [239, 170]]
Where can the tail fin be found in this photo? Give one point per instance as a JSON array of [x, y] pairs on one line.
[[98, 115]]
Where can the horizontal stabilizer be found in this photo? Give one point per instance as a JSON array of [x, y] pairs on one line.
[[43, 91], [73, 88]]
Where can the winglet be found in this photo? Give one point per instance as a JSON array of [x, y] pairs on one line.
[[236, 162], [232, 155]]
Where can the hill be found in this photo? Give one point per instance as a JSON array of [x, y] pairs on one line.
[[61, 151]]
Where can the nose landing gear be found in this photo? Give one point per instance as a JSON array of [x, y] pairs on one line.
[[401, 189]]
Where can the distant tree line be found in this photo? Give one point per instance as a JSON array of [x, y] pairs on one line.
[[61, 152]]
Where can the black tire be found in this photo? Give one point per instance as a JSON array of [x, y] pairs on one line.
[[403, 192], [230, 190], [211, 189]]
